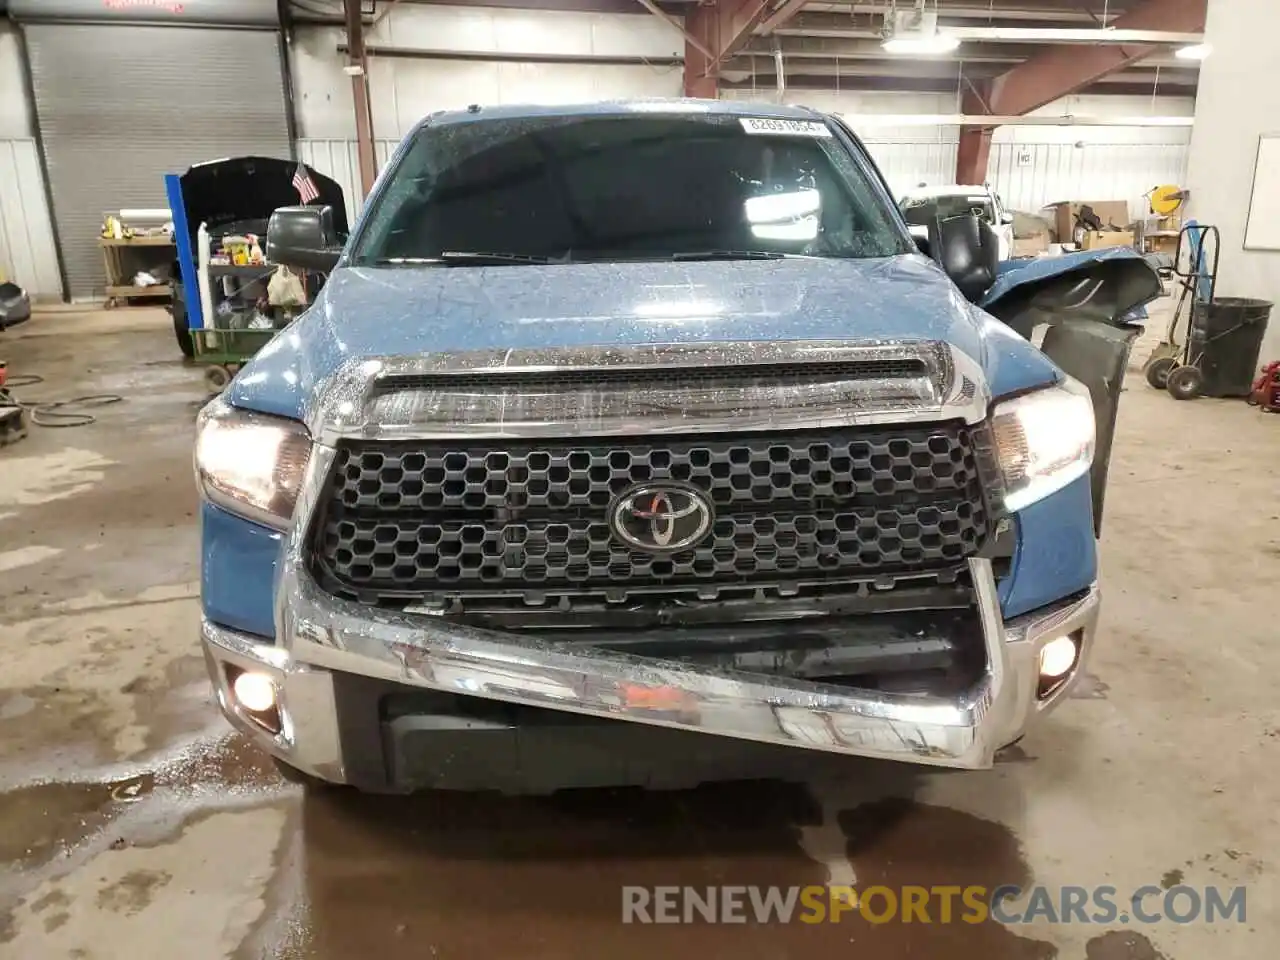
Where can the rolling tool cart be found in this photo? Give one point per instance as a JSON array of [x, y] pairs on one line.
[[1195, 282], [223, 309], [1216, 353]]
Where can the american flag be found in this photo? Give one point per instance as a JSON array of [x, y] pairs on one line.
[[305, 186]]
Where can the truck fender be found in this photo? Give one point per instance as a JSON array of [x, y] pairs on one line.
[[1093, 305]]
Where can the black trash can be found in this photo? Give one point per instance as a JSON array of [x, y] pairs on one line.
[[1226, 338]]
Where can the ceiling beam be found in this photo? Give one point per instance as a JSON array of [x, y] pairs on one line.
[[1060, 71], [1063, 70], [843, 50], [736, 22], [676, 25], [781, 16], [1090, 35], [1020, 32], [1156, 81], [799, 82], [1072, 12], [701, 27], [717, 31]]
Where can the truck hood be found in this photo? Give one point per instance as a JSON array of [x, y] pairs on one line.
[[377, 312], [249, 188]]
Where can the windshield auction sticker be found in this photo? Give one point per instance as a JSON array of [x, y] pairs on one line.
[[769, 126]]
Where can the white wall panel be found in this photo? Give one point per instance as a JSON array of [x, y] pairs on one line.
[[1238, 102], [1028, 176], [27, 253], [476, 29], [1093, 105], [906, 165], [404, 90], [15, 111]]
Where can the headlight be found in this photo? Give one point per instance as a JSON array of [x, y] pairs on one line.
[[1044, 440], [250, 463]]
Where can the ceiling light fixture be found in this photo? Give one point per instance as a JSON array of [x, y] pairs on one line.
[[921, 45], [1195, 51], [915, 32]]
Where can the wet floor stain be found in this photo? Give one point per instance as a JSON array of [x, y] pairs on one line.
[[133, 891], [1014, 753], [1122, 945], [176, 899], [1089, 686], [896, 843], [457, 875], [44, 819], [462, 875]]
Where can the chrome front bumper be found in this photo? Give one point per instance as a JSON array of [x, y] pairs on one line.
[[320, 636]]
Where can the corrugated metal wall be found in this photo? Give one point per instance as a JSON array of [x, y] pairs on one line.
[[1030, 175], [118, 107], [27, 253], [907, 163]]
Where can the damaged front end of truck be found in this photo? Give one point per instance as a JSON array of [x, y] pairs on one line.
[[524, 524]]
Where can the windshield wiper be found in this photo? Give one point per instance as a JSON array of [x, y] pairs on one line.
[[461, 258], [472, 258], [731, 255]]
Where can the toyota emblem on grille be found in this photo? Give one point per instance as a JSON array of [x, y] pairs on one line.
[[661, 517]]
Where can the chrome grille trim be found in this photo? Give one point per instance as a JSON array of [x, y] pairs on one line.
[[376, 398]]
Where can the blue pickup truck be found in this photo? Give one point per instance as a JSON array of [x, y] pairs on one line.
[[647, 415]]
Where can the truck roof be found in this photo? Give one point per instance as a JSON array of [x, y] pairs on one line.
[[732, 108]]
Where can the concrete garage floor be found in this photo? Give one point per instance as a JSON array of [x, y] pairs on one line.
[[137, 825]]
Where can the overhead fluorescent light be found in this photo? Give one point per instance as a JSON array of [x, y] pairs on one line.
[[915, 32], [921, 45], [1194, 51]]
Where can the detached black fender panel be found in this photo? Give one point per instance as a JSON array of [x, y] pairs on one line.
[[1093, 304]]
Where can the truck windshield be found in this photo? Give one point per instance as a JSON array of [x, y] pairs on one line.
[[635, 187]]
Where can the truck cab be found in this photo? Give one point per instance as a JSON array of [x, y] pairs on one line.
[[655, 414]]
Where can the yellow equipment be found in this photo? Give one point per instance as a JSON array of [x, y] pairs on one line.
[[1166, 200]]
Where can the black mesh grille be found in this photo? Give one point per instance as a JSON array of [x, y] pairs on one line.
[[430, 518], [600, 378]]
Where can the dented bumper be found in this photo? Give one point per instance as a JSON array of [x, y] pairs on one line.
[[328, 641]]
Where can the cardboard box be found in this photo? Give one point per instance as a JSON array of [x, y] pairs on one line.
[[1031, 246], [1096, 240], [1112, 213]]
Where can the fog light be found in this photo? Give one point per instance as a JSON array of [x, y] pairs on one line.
[[1057, 657], [254, 691]]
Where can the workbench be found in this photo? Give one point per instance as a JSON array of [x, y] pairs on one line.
[[146, 253]]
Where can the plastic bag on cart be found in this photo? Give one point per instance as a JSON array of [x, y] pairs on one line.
[[286, 289]]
